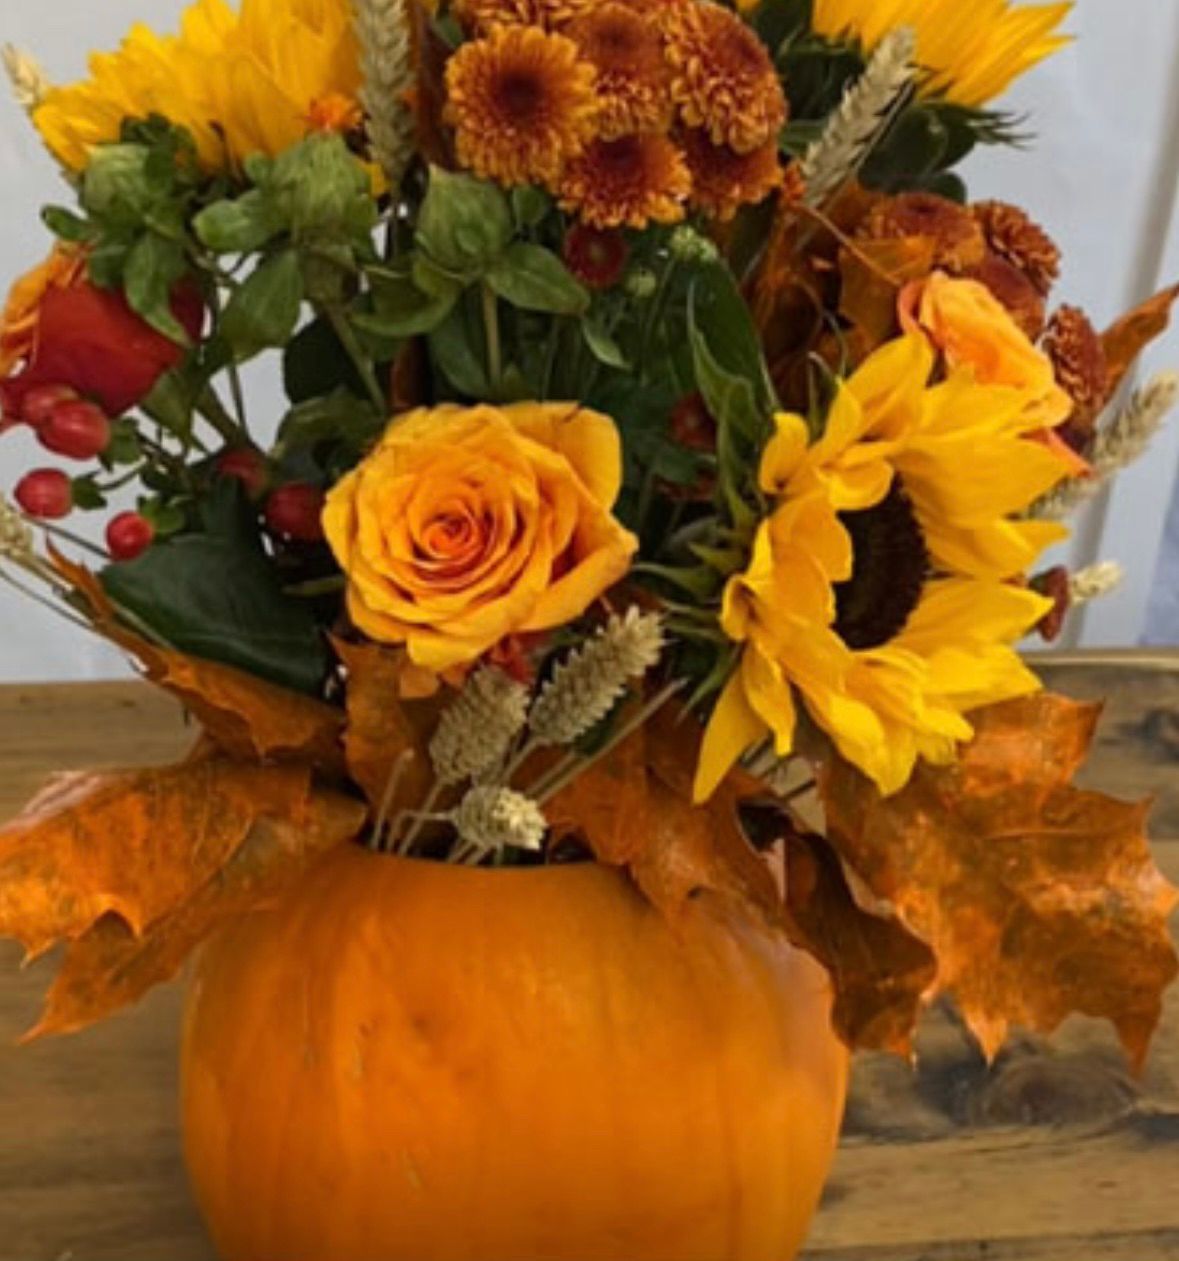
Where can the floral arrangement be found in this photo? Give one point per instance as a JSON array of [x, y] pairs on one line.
[[668, 453]]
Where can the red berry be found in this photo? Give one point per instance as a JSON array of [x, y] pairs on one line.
[[294, 512], [129, 535], [247, 466], [45, 493], [39, 403], [76, 429]]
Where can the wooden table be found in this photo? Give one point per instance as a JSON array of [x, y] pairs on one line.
[[1053, 1153]]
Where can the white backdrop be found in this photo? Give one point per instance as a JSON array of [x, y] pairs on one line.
[[1102, 174]]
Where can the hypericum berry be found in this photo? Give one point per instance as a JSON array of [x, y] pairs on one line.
[[129, 535], [693, 425], [39, 403], [76, 429], [45, 493], [245, 465], [294, 511]]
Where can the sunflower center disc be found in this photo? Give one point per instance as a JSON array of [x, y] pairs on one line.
[[889, 569]]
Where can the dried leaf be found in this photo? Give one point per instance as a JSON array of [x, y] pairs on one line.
[[1038, 899], [134, 843], [247, 716], [608, 805], [1129, 337], [381, 726], [689, 848], [874, 273], [879, 970], [112, 966]]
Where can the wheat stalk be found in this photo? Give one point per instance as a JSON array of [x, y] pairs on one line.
[[1118, 445], [1094, 582], [386, 59], [865, 113], [30, 84]]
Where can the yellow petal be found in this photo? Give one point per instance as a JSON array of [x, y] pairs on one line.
[[733, 729]]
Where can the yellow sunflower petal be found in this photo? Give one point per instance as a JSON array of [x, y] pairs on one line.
[[733, 729]]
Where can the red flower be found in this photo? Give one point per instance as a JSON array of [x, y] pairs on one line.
[[89, 339], [596, 257]]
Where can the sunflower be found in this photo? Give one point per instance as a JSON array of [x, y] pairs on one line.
[[632, 181], [724, 80], [634, 78], [723, 180], [971, 51], [253, 82], [885, 588], [522, 104]]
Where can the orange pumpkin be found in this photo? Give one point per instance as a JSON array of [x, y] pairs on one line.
[[407, 1061]]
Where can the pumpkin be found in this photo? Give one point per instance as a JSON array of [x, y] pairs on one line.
[[408, 1061]]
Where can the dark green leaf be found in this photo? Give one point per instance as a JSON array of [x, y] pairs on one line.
[[535, 279], [315, 364], [217, 595], [265, 310], [339, 417], [86, 495], [458, 352], [403, 310]]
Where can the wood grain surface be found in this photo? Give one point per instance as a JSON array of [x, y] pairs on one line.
[[1053, 1154]]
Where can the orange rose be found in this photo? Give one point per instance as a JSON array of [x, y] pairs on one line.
[[973, 329], [466, 525], [63, 269]]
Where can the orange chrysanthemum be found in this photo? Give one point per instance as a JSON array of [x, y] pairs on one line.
[[630, 182], [483, 15], [634, 79], [521, 103], [724, 80], [723, 180]]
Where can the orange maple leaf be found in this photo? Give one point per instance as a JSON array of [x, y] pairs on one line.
[[111, 965], [1038, 899], [248, 717], [384, 731]]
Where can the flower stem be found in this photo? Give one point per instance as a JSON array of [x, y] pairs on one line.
[[355, 351], [491, 329], [555, 783]]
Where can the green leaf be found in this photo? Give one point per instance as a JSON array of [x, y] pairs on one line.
[[173, 399], [117, 183], [265, 310], [722, 317], [239, 227], [339, 417], [458, 352], [534, 278], [403, 309], [465, 223], [602, 345], [86, 495], [530, 206], [152, 269], [217, 595], [315, 364], [124, 446], [67, 226], [428, 277]]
